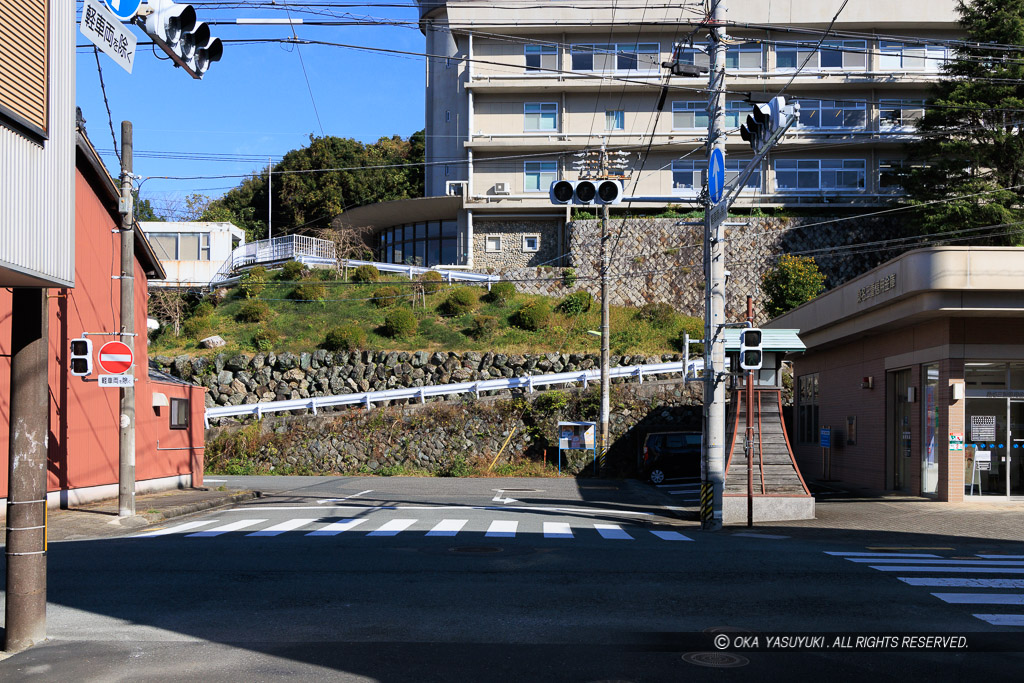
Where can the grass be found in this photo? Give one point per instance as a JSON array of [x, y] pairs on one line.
[[299, 326]]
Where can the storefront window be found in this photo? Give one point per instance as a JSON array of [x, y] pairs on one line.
[[929, 458]]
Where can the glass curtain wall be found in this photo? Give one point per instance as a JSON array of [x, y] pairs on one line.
[[432, 243]]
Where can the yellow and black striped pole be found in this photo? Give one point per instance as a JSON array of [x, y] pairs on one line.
[[707, 490]]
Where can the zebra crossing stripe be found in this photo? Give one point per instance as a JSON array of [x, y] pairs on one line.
[[448, 527], [848, 555], [233, 526], [964, 563], [933, 568], [335, 528], [277, 529], [962, 583], [502, 528], [1002, 557], [671, 536], [176, 529], [1002, 619], [612, 531], [557, 530], [981, 598], [393, 528]]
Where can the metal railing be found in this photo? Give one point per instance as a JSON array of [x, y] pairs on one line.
[[302, 248], [529, 383]]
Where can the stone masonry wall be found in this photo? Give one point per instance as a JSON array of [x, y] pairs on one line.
[[512, 256]]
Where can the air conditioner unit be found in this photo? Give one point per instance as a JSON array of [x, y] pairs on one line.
[[502, 188]]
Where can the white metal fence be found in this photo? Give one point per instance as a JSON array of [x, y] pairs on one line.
[[530, 382]]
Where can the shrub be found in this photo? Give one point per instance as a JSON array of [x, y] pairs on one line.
[[568, 277], [253, 282], [695, 328], [345, 338], [793, 281], [483, 326], [253, 311], [659, 315], [459, 301], [532, 316], [386, 296], [195, 328], [454, 465], [263, 339], [431, 281], [400, 322], [366, 274], [576, 303], [203, 310], [501, 292], [326, 274], [312, 290], [291, 271], [550, 402]]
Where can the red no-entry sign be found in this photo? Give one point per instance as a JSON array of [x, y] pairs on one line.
[[116, 357]]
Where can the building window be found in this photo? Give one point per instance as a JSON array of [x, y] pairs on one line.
[[743, 57], [838, 55], [616, 57], [909, 57], [180, 246], [690, 176], [733, 167], [540, 116], [531, 242], [890, 172], [538, 175], [24, 66], [615, 120], [807, 408], [492, 243], [898, 114], [694, 115], [179, 413], [541, 57], [833, 114], [693, 54], [639, 57], [806, 175]]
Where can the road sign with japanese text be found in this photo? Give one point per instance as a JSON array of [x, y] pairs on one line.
[[105, 30]]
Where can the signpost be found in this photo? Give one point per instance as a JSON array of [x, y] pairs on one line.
[[105, 30], [716, 175]]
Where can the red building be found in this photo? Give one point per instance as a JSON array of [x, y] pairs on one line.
[[84, 432]]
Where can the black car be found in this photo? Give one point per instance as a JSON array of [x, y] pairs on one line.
[[670, 454]]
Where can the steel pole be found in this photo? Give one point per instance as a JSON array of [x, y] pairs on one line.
[[750, 428], [605, 340], [126, 441]]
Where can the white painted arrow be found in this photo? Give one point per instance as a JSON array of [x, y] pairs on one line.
[[505, 501], [339, 500]]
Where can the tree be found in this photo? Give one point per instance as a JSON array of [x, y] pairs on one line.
[[169, 306], [793, 281], [970, 158], [144, 210], [349, 243]]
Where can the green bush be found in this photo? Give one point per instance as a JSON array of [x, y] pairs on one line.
[[659, 315], [253, 282], [312, 290], [501, 292], [326, 274], [568, 277], [203, 310], [263, 339], [253, 311], [345, 338], [386, 296], [483, 326], [431, 281], [399, 322], [550, 402], [459, 301], [532, 316], [576, 303], [195, 328], [291, 271], [454, 465], [695, 328], [366, 274], [793, 281]]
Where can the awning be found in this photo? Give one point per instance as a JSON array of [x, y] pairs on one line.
[[159, 400]]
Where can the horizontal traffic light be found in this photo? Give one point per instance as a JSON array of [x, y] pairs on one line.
[[607, 191], [187, 41], [765, 119]]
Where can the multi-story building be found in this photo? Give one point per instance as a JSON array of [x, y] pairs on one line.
[[515, 89]]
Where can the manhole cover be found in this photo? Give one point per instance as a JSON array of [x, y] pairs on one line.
[[720, 660], [476, 550]]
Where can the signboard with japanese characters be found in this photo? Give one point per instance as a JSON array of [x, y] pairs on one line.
[[109, 34], [983, 427]]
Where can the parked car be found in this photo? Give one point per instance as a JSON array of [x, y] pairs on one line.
[[670, 454]]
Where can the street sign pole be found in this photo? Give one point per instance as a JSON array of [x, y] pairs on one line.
[[126, 441]]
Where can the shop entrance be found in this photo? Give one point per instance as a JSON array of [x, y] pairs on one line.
[[901, 435], [1015, 471]]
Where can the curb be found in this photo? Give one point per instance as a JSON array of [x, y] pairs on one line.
[[202, 506]]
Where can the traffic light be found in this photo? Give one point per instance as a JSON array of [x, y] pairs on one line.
[[81, 357], [765, 120], [750, 349], [175, 28], [605, 191]]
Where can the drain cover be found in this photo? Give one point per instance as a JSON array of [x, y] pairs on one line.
[[720, 660], [476, 550]]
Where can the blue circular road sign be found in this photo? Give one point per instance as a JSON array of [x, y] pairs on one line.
[[123, 9], [716, 175]]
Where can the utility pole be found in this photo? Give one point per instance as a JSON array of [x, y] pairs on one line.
[[714, 279], [605, 341], [749, 440], [126, 442], [25, 609]]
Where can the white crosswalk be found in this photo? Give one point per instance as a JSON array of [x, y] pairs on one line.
[[447, 528], [987, 591]]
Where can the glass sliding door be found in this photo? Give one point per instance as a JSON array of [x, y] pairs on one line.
[[930, 422], [1015, 471]]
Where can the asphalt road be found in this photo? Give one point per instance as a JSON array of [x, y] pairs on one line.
[[374, 579]]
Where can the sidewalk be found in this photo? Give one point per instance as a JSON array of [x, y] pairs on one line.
[[100, 519]]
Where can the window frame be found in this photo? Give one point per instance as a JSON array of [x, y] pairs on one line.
[[539, 169], [532, 236], [901, 105], [615, 117], [802, 168], [615, 57], [859, 48], [808, 400], [541, 51], [847, 107], [488, 249], [544, 110], [174, 406], [893, 49]]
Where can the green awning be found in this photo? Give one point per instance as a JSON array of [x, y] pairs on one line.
[[771, 340]]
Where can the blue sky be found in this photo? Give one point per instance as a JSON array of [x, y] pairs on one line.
[[255, 101]]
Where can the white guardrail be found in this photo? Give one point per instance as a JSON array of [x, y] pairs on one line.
[[528, 382]]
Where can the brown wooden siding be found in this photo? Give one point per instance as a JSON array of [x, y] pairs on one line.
[[24, 61]]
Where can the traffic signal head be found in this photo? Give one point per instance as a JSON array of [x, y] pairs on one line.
[[764, 119], [751, 355], [605, 191], [188, 42], [80, 363]]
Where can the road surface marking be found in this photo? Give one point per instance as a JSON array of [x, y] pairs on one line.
[[963, 583], [176, 529], [448, 527], [965, 563], [335, 528], [755, 535], [1002, 557], [557, 530], [612, 531], [339, 500], [393, 528], [1002, 619], [879, 554], [233, 526], [671, 536], [981, 598], [911, 547], [499, 499], [290, 525], [933, 568], [502, 528], [495, 508]]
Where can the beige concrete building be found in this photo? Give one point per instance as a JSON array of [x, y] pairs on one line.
[[917, 369]]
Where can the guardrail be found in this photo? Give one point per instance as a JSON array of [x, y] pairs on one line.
[[528, 382], [413, 271]]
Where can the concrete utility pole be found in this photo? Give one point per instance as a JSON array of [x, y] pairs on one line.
[[749, 440], [714, 288], [25, 609], [126, 443], [606, 435]]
